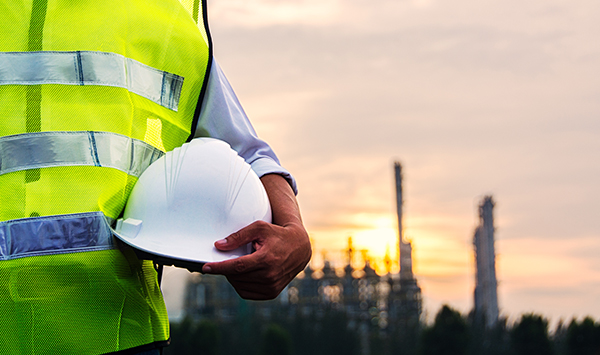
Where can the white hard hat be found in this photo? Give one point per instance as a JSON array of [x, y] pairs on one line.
[[190, 198]]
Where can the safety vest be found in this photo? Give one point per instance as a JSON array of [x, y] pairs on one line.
[[91, 93]]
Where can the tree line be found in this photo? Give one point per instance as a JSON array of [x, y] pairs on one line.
[[330, 332]]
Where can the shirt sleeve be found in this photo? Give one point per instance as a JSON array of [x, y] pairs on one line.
[[222, 117]]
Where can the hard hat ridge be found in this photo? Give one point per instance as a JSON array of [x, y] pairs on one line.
[[238, 175], [173, 163]]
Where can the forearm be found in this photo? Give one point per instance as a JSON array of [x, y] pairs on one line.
[[286, 213], [284, 206]]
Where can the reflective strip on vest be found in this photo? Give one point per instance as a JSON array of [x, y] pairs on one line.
[[54, 235], [53, 149], [91, 68]]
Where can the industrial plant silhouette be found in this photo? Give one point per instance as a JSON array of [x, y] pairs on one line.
[[388, 305]]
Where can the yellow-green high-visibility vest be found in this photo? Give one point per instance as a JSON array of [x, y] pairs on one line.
[[91, 93]]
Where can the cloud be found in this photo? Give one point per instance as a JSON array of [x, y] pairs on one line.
[[474, 97], [348, 101], [556, 302], [354, 14], [262, 13]]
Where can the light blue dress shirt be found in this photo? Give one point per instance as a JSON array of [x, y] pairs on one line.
[[222, 117]]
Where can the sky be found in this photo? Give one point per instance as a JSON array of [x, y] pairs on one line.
[[474, 98]]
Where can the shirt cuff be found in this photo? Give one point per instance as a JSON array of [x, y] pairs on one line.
[[264, 166]]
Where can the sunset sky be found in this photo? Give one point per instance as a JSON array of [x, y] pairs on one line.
[[474, 97]]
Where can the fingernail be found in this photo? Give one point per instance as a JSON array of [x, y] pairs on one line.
[[206, 269], [221, 242]]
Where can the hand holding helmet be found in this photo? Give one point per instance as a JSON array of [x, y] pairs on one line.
[[201, 207], [282, 248], [188, 199]]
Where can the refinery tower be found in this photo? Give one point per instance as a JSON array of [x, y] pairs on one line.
[[486, 286], [407, 293]]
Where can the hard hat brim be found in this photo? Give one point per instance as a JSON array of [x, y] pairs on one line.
[[197, 254]]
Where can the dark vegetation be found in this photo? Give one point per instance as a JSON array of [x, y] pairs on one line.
[[331, 332]]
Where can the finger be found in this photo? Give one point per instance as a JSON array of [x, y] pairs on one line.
[[244, 236], [236, 266]]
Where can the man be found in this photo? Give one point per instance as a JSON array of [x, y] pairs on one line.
[[91, 93]]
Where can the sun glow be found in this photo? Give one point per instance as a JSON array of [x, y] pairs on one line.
[[438, 253]]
